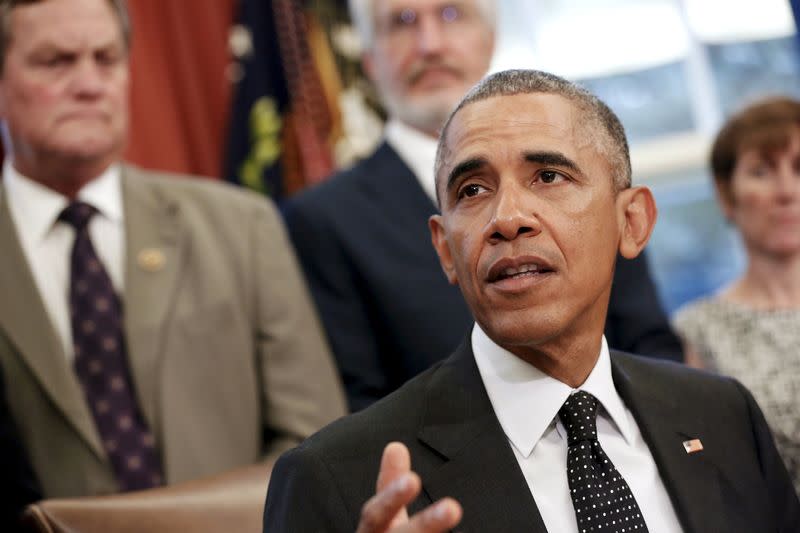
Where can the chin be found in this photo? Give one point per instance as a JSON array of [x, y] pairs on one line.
[[88, 148], [424, 112], [440, 99], [520, 328]]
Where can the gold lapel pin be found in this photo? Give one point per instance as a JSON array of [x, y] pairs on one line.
[[151, 259], [692, 446]]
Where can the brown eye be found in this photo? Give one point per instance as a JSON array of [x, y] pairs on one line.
[[58, 60], [468, 191], [759, 170], [107, 57], [550, 176]]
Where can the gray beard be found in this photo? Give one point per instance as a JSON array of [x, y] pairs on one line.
[[427, 117]]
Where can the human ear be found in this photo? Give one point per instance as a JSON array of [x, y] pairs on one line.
[[637, 214], [439, 240]]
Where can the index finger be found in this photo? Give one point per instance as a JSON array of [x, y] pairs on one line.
[[395, 462]]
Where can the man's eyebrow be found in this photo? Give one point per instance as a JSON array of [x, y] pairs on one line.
[[554, 159], [464, 167]]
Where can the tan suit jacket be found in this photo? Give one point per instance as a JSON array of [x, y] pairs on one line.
[[225, 349]]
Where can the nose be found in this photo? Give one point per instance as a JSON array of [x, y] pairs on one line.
[[788, 181], [430, 34], [89, 79], [514, 215]]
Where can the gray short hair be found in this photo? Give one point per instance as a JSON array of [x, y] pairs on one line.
[[599, 118], [119, 8], [362, 13]]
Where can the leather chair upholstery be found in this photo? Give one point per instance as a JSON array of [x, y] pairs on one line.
[[231, 502]]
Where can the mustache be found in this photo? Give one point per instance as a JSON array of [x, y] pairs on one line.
[[418, 69]]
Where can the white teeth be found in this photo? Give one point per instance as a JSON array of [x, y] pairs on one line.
[[521, 270]]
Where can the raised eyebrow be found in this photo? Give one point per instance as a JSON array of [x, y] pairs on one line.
[[555, 159], [464, 167]]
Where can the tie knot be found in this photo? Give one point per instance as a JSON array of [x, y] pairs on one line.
[[77, 214], [579, 416]]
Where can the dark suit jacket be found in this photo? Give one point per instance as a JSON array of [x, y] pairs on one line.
[[736, 484], [18, 485], [363, 240]]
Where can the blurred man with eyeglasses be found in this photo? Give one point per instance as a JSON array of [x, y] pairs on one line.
[[362, 236]]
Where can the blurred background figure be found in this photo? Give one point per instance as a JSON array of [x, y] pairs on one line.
[[153, 329], [751, 329], [18, 485], [362, 236], [274, 94]]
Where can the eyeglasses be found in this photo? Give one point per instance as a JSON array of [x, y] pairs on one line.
[[404, 23]]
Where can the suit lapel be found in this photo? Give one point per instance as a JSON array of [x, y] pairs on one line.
[[155, 247], [480, 469], [692, 480], [25, 321]]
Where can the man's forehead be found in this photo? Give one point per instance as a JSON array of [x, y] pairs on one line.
[[518, 116], [554, 107], [54, 22]]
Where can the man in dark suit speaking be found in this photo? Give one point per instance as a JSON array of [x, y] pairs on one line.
[[533, 424], [362, 236]]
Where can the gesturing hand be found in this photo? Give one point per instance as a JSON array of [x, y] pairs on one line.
[[397, 486]]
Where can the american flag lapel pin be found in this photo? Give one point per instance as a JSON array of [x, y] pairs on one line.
[[692, 445]]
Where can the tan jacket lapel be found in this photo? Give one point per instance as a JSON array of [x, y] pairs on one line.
[[25, 321], [154, 251]]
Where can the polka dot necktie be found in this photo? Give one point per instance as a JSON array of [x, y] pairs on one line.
[[101, 362], [602, 500]]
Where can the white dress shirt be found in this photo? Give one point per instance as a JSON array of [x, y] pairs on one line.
[[417, 150], [526, 402], [47, 243]]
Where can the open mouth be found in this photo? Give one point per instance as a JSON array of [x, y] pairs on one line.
[[502, 272]]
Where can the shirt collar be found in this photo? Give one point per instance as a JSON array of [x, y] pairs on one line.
[[36, 207], [526, 400], [417, 150]]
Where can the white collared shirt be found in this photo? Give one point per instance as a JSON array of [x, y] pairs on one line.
[[526, 402], [417, 150], [47, 243]]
